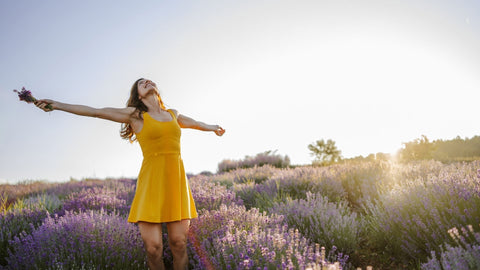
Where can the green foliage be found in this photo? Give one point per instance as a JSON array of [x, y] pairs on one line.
[[413, 218], [417, 149], [371, 157], [325, 152], [261, 196], [457, 149], [4, 204], [326, 223], [238, 176], [49, 202], [363, 181], [266, 158]]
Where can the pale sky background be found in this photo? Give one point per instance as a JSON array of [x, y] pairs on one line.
[[277, 75]]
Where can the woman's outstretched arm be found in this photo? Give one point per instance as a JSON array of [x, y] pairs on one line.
[[187, 122], [121, 115]]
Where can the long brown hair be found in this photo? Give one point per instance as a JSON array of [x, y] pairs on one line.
[[127, 132]]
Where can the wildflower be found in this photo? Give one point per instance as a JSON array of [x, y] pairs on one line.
[[26, 96]]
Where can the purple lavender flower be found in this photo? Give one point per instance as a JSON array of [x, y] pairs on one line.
[[209, 195], [26, 96], [86, 240], [15, 222], [98, 198], [330, 224], [413, 219], [464, 256], [235, 238]]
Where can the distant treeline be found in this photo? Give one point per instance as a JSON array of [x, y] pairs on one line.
[[260, 159], [457, 149], [326, 153]]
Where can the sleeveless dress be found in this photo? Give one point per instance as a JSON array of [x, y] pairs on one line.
[[162, 193]]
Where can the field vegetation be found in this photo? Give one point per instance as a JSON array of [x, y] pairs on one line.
[[262, 214], [418, 215]]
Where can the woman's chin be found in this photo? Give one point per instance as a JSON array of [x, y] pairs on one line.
[[152, 91]]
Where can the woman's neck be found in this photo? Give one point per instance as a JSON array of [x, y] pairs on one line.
[[151, 101]]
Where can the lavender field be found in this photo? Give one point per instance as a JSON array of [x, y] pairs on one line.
[[422, 215]]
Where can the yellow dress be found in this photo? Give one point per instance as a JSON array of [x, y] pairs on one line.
[[162, 193]]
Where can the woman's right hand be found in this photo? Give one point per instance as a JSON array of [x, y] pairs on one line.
[[44, 104]]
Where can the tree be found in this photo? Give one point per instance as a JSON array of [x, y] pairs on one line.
[[418, 149], [325, 152], [266, 158]]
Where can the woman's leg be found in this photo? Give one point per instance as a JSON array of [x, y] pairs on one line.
[[152, 238], [177, 239]]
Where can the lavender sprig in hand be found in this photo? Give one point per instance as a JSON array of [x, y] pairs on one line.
[[26, 96]]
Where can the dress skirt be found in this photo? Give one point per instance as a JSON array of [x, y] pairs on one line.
[[162, 193]]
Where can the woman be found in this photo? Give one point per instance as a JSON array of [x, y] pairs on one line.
[[162, 194]]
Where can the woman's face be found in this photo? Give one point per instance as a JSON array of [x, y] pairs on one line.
[[145, 86]]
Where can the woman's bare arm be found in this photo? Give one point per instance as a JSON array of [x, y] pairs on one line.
[[187, 122], [121, 115]]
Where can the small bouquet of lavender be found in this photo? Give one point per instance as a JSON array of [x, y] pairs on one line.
[[26, 96]]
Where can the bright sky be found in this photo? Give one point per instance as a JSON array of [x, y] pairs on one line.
[[277, 75]]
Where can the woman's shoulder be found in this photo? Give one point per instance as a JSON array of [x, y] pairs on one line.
[[130, 109], [134, 112], [175, 112]]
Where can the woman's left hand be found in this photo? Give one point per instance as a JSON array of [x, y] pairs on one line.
[[219, 130]]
